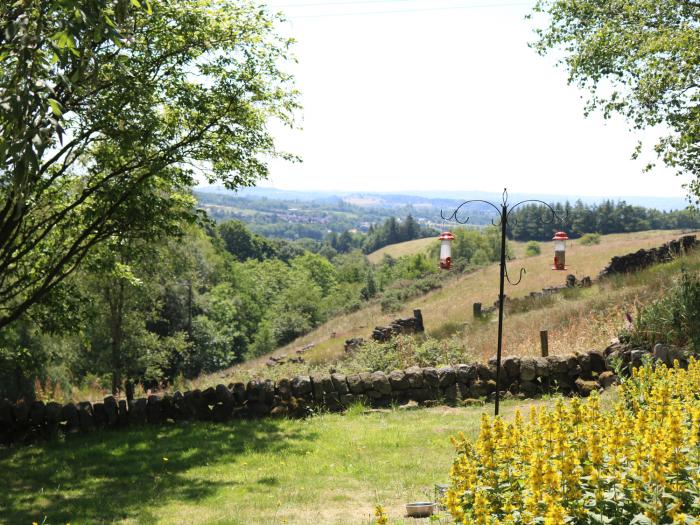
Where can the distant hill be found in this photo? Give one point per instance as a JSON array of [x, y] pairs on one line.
[[436, 199]]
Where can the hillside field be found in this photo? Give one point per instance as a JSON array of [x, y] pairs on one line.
[[415, 246], [402, 248], [580, 320]]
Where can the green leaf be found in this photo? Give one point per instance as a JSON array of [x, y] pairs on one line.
[[136, 3], [56, 107], [641, 519], [63, 40]]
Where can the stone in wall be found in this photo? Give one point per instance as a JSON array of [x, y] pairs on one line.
[[409, 325], [578, 374], [641, 259]]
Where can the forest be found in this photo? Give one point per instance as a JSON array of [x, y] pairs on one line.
[[160, 310], [534, 221]]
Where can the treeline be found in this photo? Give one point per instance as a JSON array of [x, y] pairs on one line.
[[392, 231], [534, 221]]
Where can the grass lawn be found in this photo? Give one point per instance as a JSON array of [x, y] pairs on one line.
[[328, 469]]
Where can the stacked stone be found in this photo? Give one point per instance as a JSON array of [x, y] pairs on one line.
[[640, 259], [571, 374], [410, 325]]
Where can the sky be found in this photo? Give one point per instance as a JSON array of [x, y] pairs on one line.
[[445, 95]]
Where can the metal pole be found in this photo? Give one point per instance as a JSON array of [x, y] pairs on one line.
[[501, 300]]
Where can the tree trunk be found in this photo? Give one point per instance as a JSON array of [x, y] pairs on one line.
[[116, 322]]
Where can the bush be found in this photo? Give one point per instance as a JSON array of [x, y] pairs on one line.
[[447, 330], [404, 351], [532, 248], [589, 239], [577, 464], [395, 297], [673, 319]]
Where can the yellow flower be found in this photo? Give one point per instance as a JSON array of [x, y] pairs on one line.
[[560, 463], [380, 515]]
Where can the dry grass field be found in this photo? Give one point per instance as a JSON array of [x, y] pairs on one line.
[[580, 320], [402, 248]]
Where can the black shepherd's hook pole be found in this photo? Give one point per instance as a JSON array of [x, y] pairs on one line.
[[504, 213], [501, 299]]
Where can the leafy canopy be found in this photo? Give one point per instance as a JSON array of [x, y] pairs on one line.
[[109, 112], [637, 58]]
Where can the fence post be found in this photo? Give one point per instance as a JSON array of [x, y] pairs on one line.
[[544, 342]]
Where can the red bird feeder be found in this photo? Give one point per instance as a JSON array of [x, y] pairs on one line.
[[560, 239], [446, 239]]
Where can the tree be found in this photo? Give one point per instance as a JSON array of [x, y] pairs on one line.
[[244, 244], [410, 229], [638, 58], [107, 112]]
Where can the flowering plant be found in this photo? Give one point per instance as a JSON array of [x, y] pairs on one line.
[[577, 464]]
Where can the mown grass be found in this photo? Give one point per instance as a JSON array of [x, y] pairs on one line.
[[577, 321], [329, 469]]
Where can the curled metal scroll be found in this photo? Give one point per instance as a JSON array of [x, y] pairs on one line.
[[553, 213], [520, 277], [504, 217], [454, 216]]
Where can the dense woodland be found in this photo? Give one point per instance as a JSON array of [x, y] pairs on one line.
[[535, 222], [155, 310]]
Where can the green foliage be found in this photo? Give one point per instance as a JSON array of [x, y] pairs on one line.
[[395, 297], [243, 244], [674, 319], [589, 239], [637, 58], [534, 221], [532, 248], [393, 231], [473, 247], [408, 267], [297, 310], [263, 342], [405, 351], [105, 107]]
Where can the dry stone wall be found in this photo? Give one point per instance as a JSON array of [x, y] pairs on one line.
[[638, 260], [573, 374]]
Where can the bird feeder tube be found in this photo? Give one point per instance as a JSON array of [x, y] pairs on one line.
[[446, 239], [560, 239]]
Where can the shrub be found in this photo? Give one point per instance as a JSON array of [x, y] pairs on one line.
[[447, 330], [589, 239], [404, 351], [532, 248], [673, 319], [395, 297], [577, 464]]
